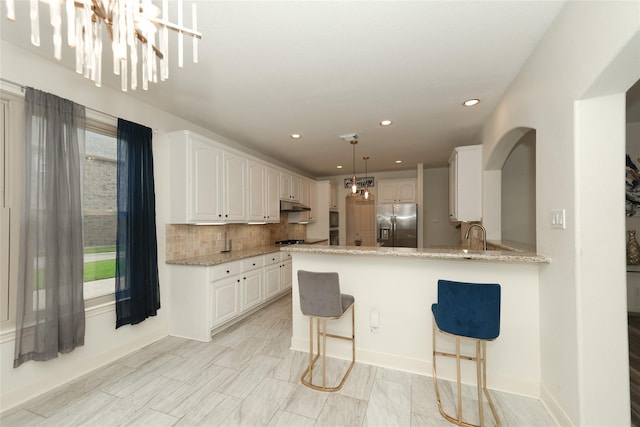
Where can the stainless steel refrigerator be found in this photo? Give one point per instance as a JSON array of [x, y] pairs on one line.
[[397, 225]]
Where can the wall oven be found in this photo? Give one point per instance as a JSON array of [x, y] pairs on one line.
[[334, 219], [334, 237]]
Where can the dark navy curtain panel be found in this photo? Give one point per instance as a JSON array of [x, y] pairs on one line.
[[137, 285]]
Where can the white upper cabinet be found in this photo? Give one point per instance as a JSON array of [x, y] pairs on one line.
[[308, 197], [235, 187], [313, 201], [333, 197], [272, 195], [290, 186], [264, 196], [196, 183], [397, 191], [257, 191], [212, 183], [465, 183]]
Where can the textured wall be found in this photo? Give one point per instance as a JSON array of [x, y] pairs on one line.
[[184, 241]]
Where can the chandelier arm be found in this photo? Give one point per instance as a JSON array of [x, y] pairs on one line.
[[144, 40], [102, 14], [178, 28]]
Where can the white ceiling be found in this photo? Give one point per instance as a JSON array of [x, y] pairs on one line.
[[325, 69]]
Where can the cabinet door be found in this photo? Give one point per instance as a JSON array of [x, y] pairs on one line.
[[296, 183], [285, 186], [251, 289], [313, 201], [453, 190], [273, 195], [206, 183], [257, 195], [271, 280], [333, 197], [387, 192], [406, 191], [225, 300], [304, 192], [286, 275], [235, 185], [465, 184]]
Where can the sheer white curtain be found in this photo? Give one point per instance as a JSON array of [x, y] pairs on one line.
[[50, 312]]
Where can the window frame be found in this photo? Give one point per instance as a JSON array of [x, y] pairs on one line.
[[105, 125], [11, 171]]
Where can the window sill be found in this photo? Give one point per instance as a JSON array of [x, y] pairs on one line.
[[93, 307]]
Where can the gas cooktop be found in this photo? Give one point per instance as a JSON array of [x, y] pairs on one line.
[[289, 242]]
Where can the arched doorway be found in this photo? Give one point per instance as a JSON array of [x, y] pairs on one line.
[[512, 172]]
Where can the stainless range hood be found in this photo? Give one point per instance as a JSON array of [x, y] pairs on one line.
[[288, 206]]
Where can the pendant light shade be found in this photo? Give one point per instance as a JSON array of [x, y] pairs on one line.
[[366, 182], [354, 184]]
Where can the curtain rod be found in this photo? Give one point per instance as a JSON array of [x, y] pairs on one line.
[[23, 88]]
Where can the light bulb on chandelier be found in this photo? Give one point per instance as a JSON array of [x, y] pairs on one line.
[[131, 24]]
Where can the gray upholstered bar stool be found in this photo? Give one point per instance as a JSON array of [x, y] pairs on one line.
[[320, 299]]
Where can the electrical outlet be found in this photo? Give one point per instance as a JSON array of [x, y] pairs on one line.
[[558, 220], [218, 236]]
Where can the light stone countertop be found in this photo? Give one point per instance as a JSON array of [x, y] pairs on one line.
[[223, 257], [425, 253]]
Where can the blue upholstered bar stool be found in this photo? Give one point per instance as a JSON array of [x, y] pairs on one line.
[[467, 311], [320, 299]]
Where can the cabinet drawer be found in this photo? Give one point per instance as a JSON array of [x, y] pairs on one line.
[[285, 256], [252, 263], [272, 258], [224, 270]]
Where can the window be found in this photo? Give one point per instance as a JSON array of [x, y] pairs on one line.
[[4, 214], [99, 199], [100, 212]]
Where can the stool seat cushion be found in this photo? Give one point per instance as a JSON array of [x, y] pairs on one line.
[[468, 309], [347, 300], [320, 294]]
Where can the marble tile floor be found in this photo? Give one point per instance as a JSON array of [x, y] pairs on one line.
[[248, 376]]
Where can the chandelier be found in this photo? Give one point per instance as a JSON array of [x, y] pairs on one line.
[[131, 25]]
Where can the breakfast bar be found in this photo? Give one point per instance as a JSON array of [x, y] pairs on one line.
[[394, 289]]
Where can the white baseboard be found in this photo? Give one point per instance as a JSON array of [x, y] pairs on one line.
[[64, 373], [556, 412], [421, 367]]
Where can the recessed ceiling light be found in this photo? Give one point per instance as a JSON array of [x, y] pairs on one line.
[[398, 161], [339, 167], [386, 123], [471, 102], [295, 136]]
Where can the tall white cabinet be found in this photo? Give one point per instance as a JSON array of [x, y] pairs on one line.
[[465, 183]]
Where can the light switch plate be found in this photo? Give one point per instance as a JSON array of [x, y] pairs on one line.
[[558, 219]]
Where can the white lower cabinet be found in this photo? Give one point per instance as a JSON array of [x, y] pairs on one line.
[[205, 298], [272, 275], [225, 300], [286, 272], [251, 282]]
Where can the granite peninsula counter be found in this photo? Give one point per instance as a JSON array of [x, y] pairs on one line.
[[426, 253], [398, 285]]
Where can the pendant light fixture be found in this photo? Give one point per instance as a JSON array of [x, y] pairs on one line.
[[352, 138], [366, 179], [354, 184]]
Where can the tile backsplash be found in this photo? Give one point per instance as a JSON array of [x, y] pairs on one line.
[[185, 241]]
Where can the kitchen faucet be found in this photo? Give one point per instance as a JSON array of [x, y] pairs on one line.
[[484, 235]]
